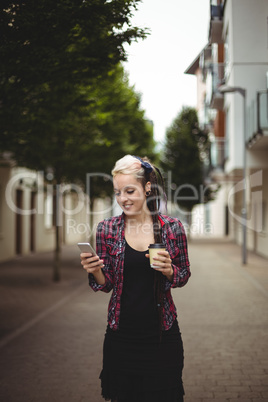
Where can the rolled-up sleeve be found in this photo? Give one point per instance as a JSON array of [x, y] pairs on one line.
[[102, 252], [180, 263]]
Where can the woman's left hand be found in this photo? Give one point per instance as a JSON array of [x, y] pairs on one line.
[[162, 263]]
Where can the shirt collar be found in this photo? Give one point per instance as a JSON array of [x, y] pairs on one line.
[[162, 220]]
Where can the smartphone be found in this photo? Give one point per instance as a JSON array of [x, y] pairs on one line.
[[86, 248]]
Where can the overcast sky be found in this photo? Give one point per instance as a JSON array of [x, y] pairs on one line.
[[179, 31]]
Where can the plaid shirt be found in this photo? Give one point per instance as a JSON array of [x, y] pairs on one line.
[[110, 244]]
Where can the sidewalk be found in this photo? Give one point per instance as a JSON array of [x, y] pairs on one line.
[[51, 334], [27, 287], [223, 318]]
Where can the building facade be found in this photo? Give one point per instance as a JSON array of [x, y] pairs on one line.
[[233, 68], [32, 207]]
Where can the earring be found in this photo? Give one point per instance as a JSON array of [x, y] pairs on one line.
[[148, 193]]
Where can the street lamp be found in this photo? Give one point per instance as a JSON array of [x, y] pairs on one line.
[[226, 89]]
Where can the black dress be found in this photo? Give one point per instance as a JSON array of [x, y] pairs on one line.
[[137, 367]]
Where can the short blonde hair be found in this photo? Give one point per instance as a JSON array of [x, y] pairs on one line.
[[129, 165]]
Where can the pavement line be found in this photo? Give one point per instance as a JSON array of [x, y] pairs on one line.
[[39, 317]]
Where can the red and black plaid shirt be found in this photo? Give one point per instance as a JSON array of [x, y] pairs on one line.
[[110, 245]]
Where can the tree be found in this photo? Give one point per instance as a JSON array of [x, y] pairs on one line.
[[55, 41], [184, 155], [54, 56], [120, 128], [101, 123], [48, 48]]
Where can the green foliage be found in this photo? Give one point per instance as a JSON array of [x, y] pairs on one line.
[[184, 155], [49, 41], [79, 130], [120, 127], [49, 47], [65, 103]]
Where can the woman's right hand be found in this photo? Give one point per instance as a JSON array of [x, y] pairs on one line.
[[92, 264]]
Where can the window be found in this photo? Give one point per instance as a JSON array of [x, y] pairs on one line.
[[227, 63]]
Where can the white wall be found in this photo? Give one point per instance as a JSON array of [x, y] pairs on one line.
[[250, 31], [245, 30], [208, 220]]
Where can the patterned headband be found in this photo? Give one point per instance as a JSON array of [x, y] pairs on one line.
[[145, 165]]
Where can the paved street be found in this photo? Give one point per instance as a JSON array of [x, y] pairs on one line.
[[51, 334]]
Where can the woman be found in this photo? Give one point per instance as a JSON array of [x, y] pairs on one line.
[[143, 351]]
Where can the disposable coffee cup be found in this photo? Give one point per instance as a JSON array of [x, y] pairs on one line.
[[153, 250]]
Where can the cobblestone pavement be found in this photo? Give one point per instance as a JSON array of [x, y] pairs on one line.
[[51, 334]]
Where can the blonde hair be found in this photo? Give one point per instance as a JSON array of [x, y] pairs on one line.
[[129, 165]]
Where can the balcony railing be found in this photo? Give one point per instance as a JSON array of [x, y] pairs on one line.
[[215, 78], [205, 58], [258, 122], [218, 153], [262, 111]]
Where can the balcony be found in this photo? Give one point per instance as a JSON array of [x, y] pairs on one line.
[[259, 139], [206, 122], [218, 153], [216, 23], [217, 158], [215, 78], [205, 59], [262, 112]]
